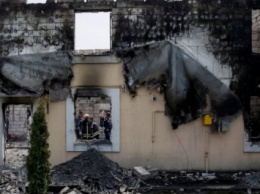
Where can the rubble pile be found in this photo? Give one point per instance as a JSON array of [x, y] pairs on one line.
[[12, 180], [194, 179], [92, 172], [250, 180]]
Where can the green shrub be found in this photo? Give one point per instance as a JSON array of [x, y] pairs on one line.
[[37, 163]]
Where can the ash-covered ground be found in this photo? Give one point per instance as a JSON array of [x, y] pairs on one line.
[[92, 172]]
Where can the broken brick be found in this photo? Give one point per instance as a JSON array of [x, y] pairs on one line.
[[142, 173]]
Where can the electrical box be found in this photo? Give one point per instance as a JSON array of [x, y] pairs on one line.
[[207, 119], [223, 126]]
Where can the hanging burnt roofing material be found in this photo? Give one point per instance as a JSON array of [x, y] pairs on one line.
[[36, 74], [185, 82]]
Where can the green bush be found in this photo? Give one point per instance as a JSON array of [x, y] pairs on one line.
[[37, 163]]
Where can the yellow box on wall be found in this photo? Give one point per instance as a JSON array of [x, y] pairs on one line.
[[207, 119]]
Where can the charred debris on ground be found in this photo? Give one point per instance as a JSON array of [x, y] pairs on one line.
[[92, 172]]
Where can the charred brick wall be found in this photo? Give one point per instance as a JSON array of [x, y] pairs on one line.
[[256, 31], [228, 22], [35, 28], [18, 120], [49, 27]]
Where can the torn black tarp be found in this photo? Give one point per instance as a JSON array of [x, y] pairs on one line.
[[35, 74], [184, 81]]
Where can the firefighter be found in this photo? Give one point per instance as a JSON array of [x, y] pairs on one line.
[[94, 129], [86, 127]]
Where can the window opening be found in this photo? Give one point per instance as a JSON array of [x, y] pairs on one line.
[[254, 120], [17, 122], [93, 121], [252, 125], [96, 104], [92, 31]]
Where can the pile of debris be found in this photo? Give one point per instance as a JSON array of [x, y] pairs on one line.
[[250, 180], [12, 180], [92, 172]]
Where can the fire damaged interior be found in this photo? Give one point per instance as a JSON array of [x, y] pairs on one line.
[[36, 40]]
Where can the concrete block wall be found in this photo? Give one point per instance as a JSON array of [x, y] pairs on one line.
[[255, 105], [35, 28], [256, 31], [18, 120], [88, 106], [224, 28]]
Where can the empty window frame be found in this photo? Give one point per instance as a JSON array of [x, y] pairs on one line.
[[92, 115], [92, 31], [252, 132]]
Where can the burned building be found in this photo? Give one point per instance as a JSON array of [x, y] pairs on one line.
[[39, 55]]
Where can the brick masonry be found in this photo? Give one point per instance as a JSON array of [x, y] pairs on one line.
[[49, 27], [18, 120], [36, 28], [93, 106], [255, 105], [256, 31]]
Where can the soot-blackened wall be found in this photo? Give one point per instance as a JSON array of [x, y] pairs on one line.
[[48, 27]]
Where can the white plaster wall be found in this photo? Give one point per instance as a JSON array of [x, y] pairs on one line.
[[146, 136]]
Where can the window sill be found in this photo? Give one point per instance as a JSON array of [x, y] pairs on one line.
[[101, 145], [95, 59], [93, 142]]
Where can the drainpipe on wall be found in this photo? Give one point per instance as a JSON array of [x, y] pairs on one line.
[[206, 162], [207, 152]]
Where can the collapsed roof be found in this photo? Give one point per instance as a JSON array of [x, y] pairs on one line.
[[35, 74], [183, 80]]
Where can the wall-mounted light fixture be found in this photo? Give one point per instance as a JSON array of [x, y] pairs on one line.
[[154, 98]]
